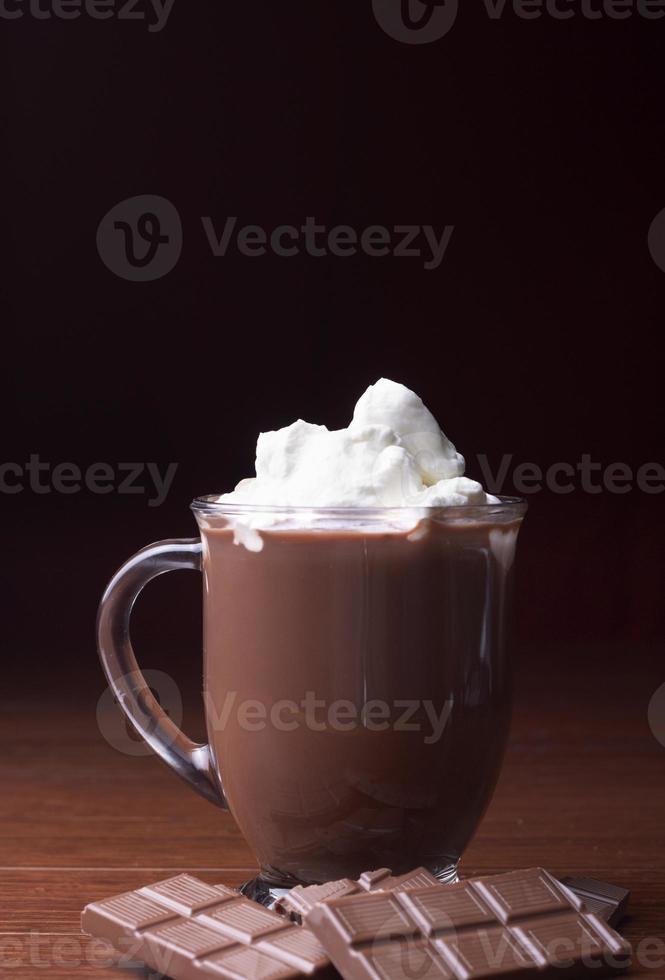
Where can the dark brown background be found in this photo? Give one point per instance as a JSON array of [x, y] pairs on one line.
[[541, 141]]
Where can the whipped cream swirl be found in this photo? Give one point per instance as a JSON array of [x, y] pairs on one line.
[[393, 454]]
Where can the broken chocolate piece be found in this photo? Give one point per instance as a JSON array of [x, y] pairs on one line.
[[298, 902]]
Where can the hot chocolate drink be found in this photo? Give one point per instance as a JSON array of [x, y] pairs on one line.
[[357, 690]]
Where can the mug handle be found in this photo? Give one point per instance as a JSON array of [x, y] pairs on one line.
[[190, 760]]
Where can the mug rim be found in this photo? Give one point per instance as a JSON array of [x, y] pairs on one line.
[[210, 505]]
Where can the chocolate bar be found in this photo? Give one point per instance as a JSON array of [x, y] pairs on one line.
[[608, 902], [519, 925], [302, 898], [188, 930]]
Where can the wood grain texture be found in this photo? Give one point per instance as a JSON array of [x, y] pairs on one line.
[[582, 792]]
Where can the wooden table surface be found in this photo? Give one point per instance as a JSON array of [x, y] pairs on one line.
[[582, 792]]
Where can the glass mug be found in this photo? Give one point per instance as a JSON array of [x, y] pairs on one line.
[[356, 679]]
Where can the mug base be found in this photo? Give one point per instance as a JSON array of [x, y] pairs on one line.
[[261, 891], [266, 893]]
